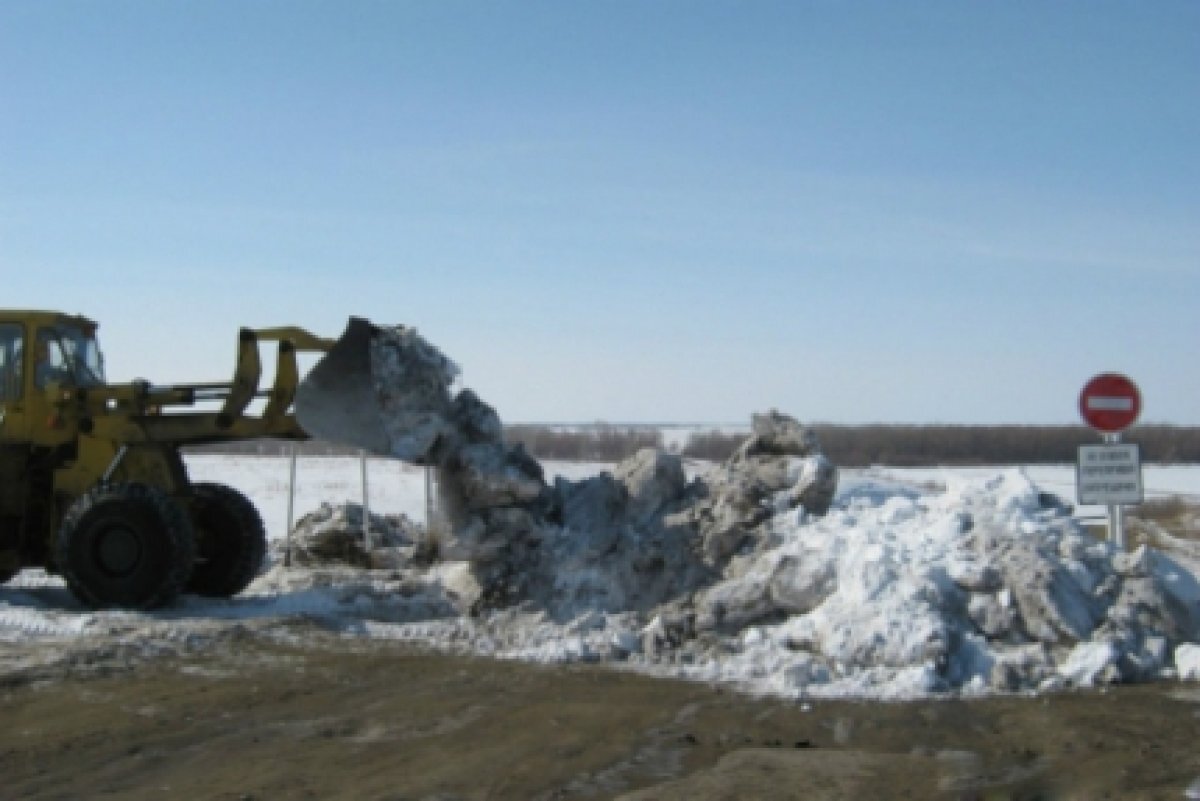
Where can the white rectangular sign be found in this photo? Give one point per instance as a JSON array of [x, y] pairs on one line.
[[1103, 404], [1109, 475]]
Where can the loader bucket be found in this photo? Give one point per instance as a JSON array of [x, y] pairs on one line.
[[338, 400]]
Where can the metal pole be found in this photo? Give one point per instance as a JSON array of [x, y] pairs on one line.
[[1116, 512], [1117, 521], [428, 497], [287, 548], [112, 466], [366, 508]]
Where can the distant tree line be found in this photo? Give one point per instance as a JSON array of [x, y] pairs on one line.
[[924, 445], [849, 446]]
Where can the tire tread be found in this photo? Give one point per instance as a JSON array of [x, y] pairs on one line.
[[175, 527], [234, 569]]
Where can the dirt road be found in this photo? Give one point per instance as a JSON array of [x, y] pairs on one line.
[[248, 719]]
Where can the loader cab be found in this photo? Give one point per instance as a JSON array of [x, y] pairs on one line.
[[41, 352]]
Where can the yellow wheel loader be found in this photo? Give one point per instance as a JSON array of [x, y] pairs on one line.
[[92, 482]]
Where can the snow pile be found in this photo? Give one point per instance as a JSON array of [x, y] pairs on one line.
[[643, 536], [336, 535], [623, 541], [986, 584], [899, 591]]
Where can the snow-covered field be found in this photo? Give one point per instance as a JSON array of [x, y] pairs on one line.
[[910, 585]]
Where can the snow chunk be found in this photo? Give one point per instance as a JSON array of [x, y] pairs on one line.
[[1187, 661]]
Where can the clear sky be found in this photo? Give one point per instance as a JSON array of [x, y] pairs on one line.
[[627, 211]]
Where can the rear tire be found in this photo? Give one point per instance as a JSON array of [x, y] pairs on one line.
[[125, 545], [231, 541]]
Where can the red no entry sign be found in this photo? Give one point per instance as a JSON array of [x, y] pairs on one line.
[[1110, 402]]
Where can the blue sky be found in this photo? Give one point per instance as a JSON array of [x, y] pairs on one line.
[[627, 211]]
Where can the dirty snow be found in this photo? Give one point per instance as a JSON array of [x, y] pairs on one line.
[[974, 583]]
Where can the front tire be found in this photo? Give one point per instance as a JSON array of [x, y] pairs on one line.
[[231, 540], [125, 545]]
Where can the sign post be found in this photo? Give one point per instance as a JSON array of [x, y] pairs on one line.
[[1111, 473]]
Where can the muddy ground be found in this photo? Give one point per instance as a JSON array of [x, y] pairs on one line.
[[336, 719]]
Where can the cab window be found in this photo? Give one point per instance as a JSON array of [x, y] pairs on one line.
[[12, 339], [67, 355], [82, 355], [50, 362]]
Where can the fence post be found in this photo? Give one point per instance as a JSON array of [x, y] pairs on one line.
[[287, 546], [428, 497], [366, 507]]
